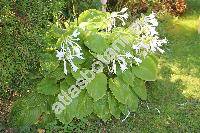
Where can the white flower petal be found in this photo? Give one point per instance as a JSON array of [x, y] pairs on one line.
[[128, 55], [60, 55], [124, 10], [137, 60], [160, 50], [65, 67], [75, 33], [122, 63]]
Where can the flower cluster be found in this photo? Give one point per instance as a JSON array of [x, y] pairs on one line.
[[122, 15], [123, 60], [70, 50], [146, 41], [147, 37]]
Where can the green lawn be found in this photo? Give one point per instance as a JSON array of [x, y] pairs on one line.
[[174, 99]]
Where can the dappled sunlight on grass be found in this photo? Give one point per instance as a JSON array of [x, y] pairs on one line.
[[183, 55], [189, 24], [191, 84], [180, 28]]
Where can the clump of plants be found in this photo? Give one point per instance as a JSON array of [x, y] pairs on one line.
[[97, 64]]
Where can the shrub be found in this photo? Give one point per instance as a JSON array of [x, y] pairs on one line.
[[120, 72], [175, 7], [23, 26], [135, 6]]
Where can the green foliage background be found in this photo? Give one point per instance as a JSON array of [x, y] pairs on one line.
[[23, 25]]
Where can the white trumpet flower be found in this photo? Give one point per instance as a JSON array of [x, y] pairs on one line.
[[70, 50], [137, 60], [128, 55], [122, 63], [122, 15], [147, 40], [60, 54], [75, 34]]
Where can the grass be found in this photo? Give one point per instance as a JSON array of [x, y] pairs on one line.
[[174, 99]]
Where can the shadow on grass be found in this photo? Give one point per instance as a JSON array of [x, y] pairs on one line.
[[184, 46]]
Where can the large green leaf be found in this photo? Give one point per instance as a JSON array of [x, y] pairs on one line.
[[70, 112], [55, 31], [124, 108], [140, 89], [127, 76], [26, 111], [154, 58], [80, 107], [58, 73], [48, 86], [101, 108], [93, 20], [113, 106], [92, 15], [123, 93], [85, 105], [64, 85], [48, 63], [93, 26], [77, 74], [98, 86], [132, 102], [96, 42], [136, 84], [120, 90], [70, 79], [146, 70]]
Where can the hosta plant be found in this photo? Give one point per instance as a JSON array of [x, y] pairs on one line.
[[124, 52]]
